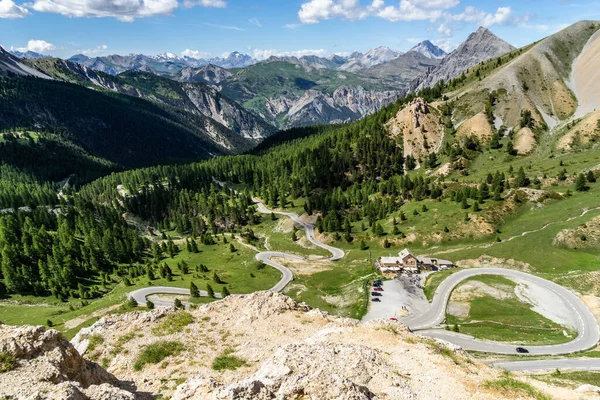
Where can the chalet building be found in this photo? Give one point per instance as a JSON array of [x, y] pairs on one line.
[[408, 262]]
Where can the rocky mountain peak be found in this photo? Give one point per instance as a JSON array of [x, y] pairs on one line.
[[479, 46], [429, 50]]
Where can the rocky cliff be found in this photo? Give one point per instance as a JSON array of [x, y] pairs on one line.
[[479, 46], [417, 126], [258, 346], [346, 103], [36, 363]]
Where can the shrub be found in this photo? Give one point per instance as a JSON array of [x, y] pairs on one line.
[[156, 352], [178, 304], [226, 361], [7, 362], [173, 323]]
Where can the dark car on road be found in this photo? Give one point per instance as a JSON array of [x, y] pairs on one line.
[[376, 299], [522, 350], [377, 283], [376, 294]]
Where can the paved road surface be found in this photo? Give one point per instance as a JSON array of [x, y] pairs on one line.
[[581, 364], [586, 325], [266, 257]]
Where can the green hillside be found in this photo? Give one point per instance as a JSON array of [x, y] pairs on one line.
[[121, 129]]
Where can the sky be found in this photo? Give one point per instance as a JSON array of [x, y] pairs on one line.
[[261, 28]]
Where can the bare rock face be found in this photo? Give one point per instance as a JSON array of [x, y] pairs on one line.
[[418, 127], [313, 371], [257, 305], [47, 366], [346, 103], [479, 46]]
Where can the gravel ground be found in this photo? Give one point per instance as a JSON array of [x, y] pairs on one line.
[[404, 291], [546, 303]]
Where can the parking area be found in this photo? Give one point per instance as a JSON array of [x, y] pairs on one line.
[[401, 297]]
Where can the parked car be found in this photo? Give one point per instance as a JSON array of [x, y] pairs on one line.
[[379, 289], [376, 299], [522, 350], [393, 319], [377, 283], [376, 294]]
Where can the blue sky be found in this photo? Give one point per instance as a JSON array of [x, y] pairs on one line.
[[266, 27]]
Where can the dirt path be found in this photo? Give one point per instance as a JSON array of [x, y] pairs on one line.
[[75, 322], [488, 245]]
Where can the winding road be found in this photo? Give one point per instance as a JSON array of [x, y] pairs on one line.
[[428, 323], [140, 295], [586, 325]]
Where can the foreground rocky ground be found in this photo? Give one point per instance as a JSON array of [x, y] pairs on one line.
[[259, 346]]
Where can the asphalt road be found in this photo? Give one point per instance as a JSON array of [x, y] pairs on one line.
[[581, 364], [287, 276], [586, 325]]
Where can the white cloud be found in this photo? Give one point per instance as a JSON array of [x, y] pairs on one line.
[[263, 54], [502, 17], [445, 45], [205, 3], [195, 54], [408, 10], [255, 21], [95, 51], [292, 26], [38, 46], [228, 27], [123, 10], [10, 10]]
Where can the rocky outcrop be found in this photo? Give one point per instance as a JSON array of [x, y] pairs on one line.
[[479, 46], [401, 71], [418, 127], [209, 74], [315, 371], [46, 366], [346, 103], [276, 349]]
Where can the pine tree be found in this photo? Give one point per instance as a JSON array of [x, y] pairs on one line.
[[232, 248], [225, 292], [590, 176], [581, 183], [363, 245], [216, 278], [465, 205], [211, 292], [194, 292]]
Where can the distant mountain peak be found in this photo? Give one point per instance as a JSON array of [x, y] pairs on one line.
[[429, 50], [479, 46]]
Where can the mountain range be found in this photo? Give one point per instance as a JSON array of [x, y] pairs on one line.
[[217, 106]]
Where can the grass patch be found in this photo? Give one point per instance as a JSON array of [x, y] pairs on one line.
[[509, 320], [156, 352], [173, 323], [434, 280], [571, 378], [7, 362], [124, 339], [510, 387], [93, 342], [226, 361]]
